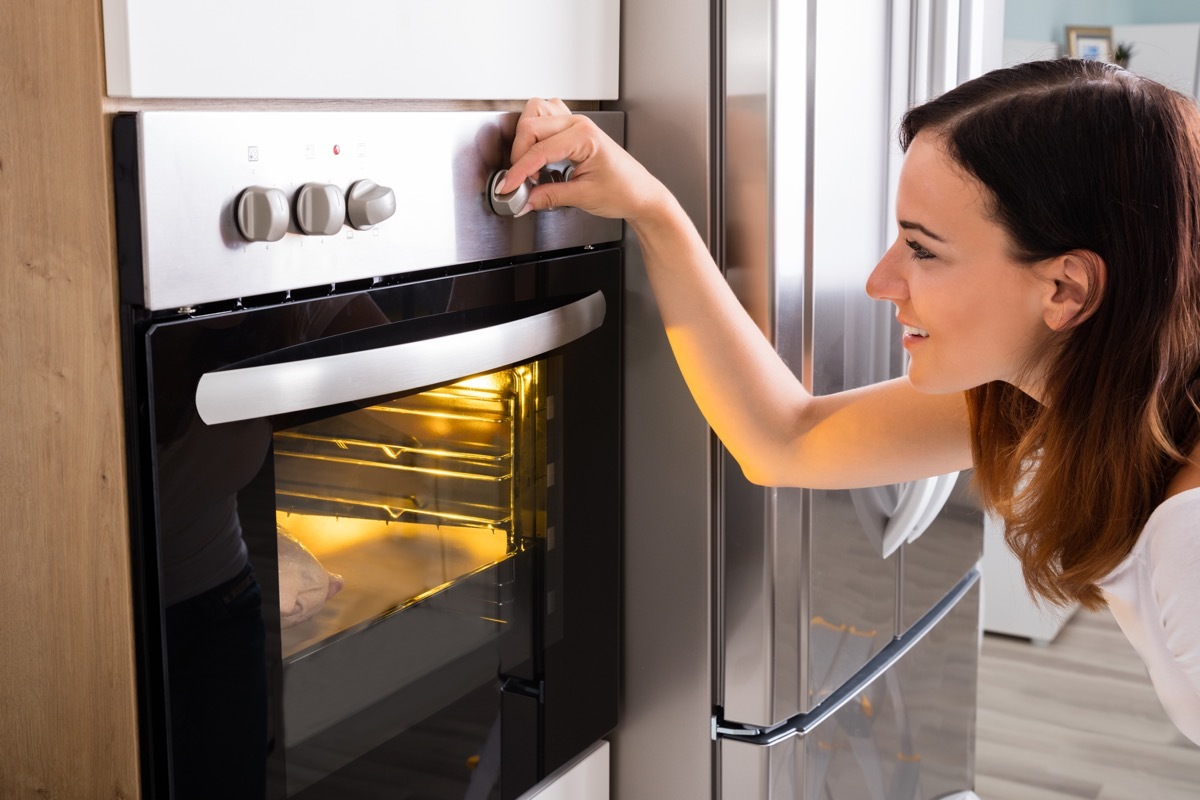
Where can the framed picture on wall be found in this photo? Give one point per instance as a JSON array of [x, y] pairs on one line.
[[1089, 42]]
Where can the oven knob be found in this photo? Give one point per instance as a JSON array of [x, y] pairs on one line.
[[320, 209], [508, 205], [368, 204], [262, 214]]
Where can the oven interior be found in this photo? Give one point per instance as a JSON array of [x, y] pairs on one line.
[[398, 524]]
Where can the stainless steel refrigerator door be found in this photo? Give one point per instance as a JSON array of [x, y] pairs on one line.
[[811, 164], [907, 735], [947, 50], [808, 137], [764, 125]]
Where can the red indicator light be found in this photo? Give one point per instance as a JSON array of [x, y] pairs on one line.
[[337, 148]]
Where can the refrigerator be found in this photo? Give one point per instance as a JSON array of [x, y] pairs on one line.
[[789, 643]]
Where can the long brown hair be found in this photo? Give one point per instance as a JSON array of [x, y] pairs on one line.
[[1081, 155]]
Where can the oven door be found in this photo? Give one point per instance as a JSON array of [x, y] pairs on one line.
[[377, 536]]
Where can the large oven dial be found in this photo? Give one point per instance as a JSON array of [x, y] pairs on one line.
[[368, 204], [510, 204], [320, 209], [262, 214]]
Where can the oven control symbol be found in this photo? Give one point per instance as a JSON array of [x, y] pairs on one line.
[[368, 204], [262, 214], [320, 209]]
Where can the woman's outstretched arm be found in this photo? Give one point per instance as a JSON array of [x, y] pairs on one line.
[[779, 433]]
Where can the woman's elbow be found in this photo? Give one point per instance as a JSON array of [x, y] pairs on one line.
[[762, 471]]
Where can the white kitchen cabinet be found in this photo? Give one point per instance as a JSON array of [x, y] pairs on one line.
[[361, 49], [1008, 607], [586, 778]]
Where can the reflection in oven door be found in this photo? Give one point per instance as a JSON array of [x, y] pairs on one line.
[[397, 528]]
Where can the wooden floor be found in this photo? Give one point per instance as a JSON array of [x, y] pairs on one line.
[[1076, 719]]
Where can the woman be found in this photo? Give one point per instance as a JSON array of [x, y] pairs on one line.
[[1047, 277]]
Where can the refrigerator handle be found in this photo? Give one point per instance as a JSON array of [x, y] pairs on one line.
[[890, 521], [943, 486], [914, 499]]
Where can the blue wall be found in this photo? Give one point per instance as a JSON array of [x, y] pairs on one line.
[[1153, 11], [1045, 20]]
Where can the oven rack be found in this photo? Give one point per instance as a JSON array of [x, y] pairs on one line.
[[432, 485], [465, 454], [402, 509], [488, 465]]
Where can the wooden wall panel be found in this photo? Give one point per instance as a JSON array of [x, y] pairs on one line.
[[67, 702]]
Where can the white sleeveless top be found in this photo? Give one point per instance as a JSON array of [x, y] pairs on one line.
[[1155, 596]]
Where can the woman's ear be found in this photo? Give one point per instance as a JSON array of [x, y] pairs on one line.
[[1077, 278]]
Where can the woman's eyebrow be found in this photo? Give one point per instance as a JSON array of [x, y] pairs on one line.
[[916, 226]]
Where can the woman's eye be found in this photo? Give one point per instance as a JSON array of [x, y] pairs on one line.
[[919, 252]]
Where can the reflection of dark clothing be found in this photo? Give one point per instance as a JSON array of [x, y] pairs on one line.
[[219, 703], [201, 473], [202, 467], [215, 632]]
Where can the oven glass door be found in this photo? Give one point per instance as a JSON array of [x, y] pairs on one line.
[[380, 535], [405, 534]]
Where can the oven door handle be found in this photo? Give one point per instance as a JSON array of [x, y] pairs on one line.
[[264, 391]]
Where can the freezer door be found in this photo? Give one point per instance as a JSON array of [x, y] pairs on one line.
[[907, 735]]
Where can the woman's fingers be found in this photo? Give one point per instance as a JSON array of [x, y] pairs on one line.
[[535, 108], [533, 126], [558, 194], [606, 180], [546, 140]]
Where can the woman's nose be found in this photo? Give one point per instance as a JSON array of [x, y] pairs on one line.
[[886, 281]]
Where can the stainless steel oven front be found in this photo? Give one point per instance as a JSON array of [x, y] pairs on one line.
[[373, 427]]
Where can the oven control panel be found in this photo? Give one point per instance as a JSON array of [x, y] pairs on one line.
[[235, 204]]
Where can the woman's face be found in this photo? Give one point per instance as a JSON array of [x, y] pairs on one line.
[[971, 313]]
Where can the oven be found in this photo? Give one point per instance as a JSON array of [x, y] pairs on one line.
[[373, 425]]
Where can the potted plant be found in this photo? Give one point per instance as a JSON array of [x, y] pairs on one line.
[[1122, 54]]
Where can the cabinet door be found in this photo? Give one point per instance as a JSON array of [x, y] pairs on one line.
[[361, 49]]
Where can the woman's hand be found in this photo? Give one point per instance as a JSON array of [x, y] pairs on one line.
[[607, 181]]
